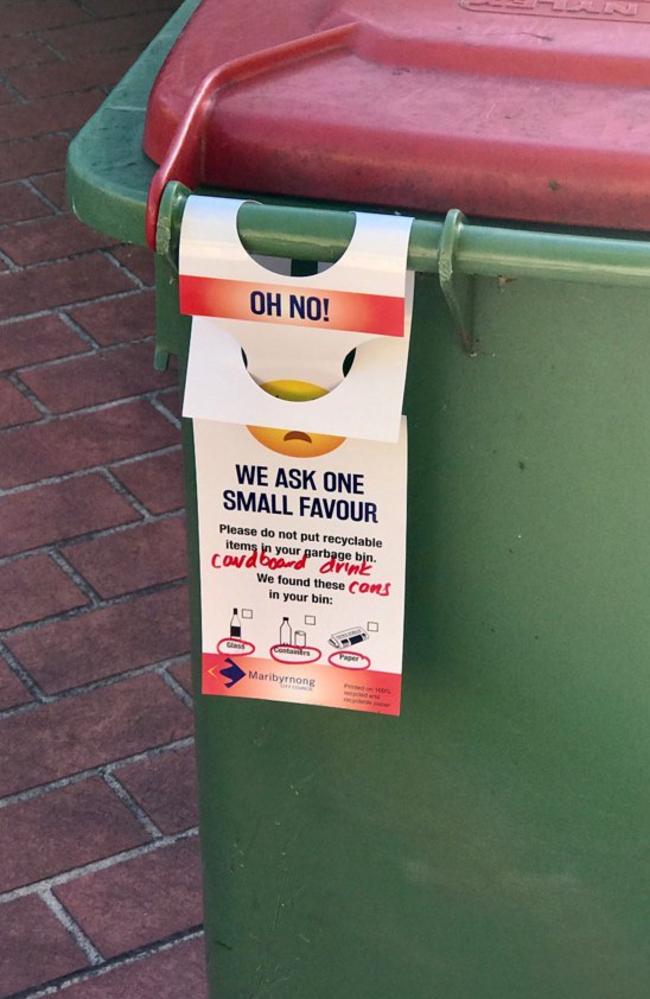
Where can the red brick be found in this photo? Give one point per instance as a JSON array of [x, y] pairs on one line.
[[53, 187], [48, 239], [118, 319], [132, 559], [33, 588], [49, 285], [20, 51], [78, 733], [139, 260], [47, 514], [157, 481], [34, 947], [105, 642], [64, 829], [18, 202], [28, 157], [83, 441], [51, 114], [100, 36], [165, 787], [12, 691], [14, 407], [32, 15], [174, 973], [139, 901], [103, 69], [96, 378], [32, 340], [182, 673]]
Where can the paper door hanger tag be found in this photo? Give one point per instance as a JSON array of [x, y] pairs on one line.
[[296, 328]]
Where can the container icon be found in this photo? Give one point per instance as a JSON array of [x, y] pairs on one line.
[[286, 634]]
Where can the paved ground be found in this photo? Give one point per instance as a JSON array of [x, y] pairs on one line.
[[99, 876]]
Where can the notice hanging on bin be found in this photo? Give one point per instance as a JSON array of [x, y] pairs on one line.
[[301, 470]]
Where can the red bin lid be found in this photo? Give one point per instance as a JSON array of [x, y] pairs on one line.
[[525, 109]]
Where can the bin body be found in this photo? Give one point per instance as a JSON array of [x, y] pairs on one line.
[[492, 841], [489, 843]]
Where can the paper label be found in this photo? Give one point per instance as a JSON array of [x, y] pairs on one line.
[[302, 570], [301, 471]]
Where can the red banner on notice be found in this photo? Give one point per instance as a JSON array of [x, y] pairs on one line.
[[354, 312]]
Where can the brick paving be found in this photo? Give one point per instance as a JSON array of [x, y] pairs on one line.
[[100, 894]]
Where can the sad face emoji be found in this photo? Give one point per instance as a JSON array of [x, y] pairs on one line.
[[295, 443]]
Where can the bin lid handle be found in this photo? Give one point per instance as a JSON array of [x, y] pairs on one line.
[[184, 160]]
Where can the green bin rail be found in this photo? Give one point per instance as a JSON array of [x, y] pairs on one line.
[[454, 249], [477, 250]]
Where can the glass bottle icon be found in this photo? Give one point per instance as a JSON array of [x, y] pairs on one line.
[[235, 624], [285, 632]]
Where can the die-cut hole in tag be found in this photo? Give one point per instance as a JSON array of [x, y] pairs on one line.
[[289, 267], [346, 367]]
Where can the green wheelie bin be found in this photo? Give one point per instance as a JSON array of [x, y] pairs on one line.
[[492, 841]]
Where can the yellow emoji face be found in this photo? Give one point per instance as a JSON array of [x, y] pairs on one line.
[[295, 443]]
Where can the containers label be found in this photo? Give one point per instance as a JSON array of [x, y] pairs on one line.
[[302, 510]]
